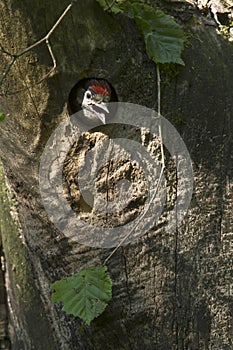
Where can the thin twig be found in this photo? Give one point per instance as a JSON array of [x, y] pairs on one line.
[[159, 114], [160, 176], [6, 71], [37, 43], [46, 37], [53, 59], [5, 51], [59, 20]]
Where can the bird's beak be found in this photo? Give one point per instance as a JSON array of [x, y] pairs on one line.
[[100, 108], [101, 116], [104, 107]]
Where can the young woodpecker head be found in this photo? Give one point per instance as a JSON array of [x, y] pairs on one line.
[[95, 100]]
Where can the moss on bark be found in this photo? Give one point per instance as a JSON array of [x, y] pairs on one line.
[[25, 302]]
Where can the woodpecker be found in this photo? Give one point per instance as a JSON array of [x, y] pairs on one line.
[[92, 96]]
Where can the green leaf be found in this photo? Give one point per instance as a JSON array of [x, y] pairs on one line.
[[85, 294], [115, 8], [102, 3], [2, 116], [164, 38]]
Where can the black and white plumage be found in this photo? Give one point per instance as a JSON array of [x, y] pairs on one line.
[[92, 96]]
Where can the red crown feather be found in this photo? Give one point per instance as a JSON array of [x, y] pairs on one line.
[[99, 87]]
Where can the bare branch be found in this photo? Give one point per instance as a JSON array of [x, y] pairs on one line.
[[6, 71], [53, 59], [6, 52], [59, 20], [37, 43], [159, 113]]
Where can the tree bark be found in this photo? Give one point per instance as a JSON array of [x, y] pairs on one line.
[[171, 290]]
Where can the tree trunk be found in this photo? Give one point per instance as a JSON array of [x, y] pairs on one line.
[[171, 289]]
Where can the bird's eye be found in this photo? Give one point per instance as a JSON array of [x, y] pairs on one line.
[[88, 95]]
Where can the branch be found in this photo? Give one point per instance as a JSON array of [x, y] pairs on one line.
[[6, 71], [37, 43], [159, 113], [53, 59], [4, 51]]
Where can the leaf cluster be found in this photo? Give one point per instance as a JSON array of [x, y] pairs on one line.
[[163, 36]]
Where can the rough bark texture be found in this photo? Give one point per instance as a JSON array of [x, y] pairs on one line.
[[172, 290]]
